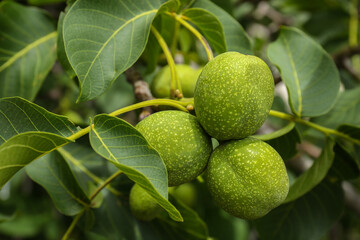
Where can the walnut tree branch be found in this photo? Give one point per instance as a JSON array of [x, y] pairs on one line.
[[141, 90]]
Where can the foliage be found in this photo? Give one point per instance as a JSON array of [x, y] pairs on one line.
[[64, 66]]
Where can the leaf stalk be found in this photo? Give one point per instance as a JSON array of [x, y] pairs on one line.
[[174, 78], [182, 20], [325, 130]]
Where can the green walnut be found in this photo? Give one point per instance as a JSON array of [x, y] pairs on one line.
[[186, 193], [160, 86], [247, 178], [142, 205], [181, 142], [233, 95]]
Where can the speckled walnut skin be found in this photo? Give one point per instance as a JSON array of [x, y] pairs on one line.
[[181, 142], [247, 178], [233, 95]]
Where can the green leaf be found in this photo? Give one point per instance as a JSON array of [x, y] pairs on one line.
[[350, 130], [345, 111], [113, 220], [44, 2], [345, 166], [276, 134], [308, 217], [5, 218], [165, 25], [53, 173], [209, 25], [22, 149], [309, 73], [61, 54], [28, 132], [90, 168], [285, 145], [278, 105], [120, 143], [169, 6], [193, 227], [27, 49], [103, 40], [314, 175], [18, 115], [235, 37], [86, 164]]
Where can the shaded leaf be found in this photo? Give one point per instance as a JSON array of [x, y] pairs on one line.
[[345, 166], [276, 134], [103, 40], [309, 73], [165, 25], [285, 145], [209, 25], [89, 168], [169, 6], [85, 164], [309, 217], [120, 143], [235, 37], [314, 175], [113, 220], [345, 111], [53, 173], [44, 2], [22, 149], [18, 115], [27, 224], [5, 218], [193, 226], [27, 49], [61, 54], [350, 130]]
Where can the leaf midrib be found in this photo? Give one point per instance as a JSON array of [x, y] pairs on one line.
[[80, 201], [112, 36], [25, 50], [295, 75]]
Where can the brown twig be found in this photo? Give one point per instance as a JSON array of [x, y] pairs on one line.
[[141, 90]]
